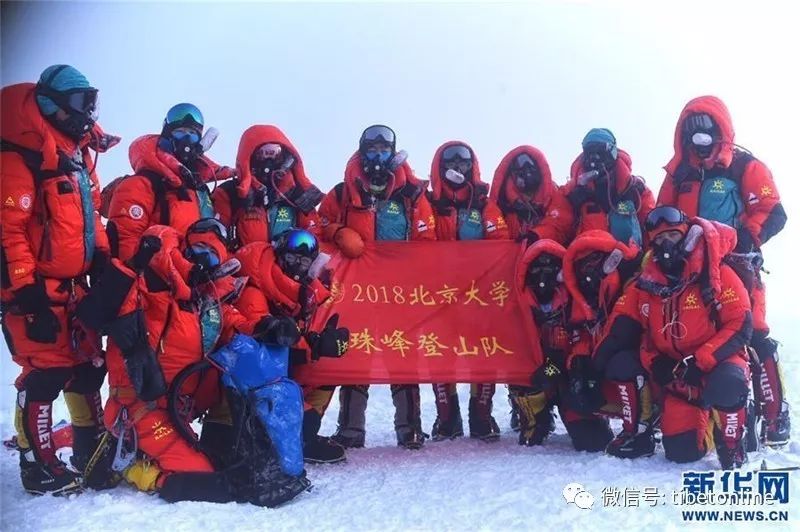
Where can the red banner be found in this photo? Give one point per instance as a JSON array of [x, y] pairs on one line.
[[429, 312]]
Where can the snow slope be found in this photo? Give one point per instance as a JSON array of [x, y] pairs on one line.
[[538, 86], [448, 485]]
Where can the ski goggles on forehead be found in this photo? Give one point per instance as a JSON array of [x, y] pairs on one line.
[[209, 225], [698, 122], [378, 133], [544, 269], [546, 260], [456, 151], [184, 112], [591, 263], [268, 151], [297, 240], [664, 215], [180, 134], [522, 160]]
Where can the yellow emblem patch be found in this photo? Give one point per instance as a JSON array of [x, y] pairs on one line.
[[691, 302], [728, 296]]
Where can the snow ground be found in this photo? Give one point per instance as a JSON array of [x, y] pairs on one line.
[[456, 485]]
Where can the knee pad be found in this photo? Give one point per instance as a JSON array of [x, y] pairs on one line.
[[624, 366], [726, 387], [765, 347], [44, 385], [82, 395], [591, 434], [683, 448]]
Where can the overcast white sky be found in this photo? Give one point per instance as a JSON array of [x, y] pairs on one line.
[[495, 76]]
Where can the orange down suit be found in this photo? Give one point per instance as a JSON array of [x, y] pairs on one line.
[[686, 322], [591, 207], [551, 212], [240, 203], [344, 205], [271, 292], [173, 324], [157, 193], [762, 215]]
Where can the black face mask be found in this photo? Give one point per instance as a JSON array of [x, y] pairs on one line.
[[597, 160], [701, 134], [186, 151], [377, 175], [264, 170], [542, 277], [543, 282], [80, 107], [670, 257], [701, 150], [205, 267], [527, 179], [589, 272], [75, 125], [295, 266], [605, 193], [589, 285]]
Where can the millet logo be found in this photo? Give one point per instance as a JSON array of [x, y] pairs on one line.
[[43, 426]]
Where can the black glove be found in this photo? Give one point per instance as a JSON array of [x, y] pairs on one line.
[[129, 333], [41, 323], [584, 394], [662, 370], [579, 195], [689, 373], [148, 246], [330, 342], [198, 275], [144, 372], [281, 330], [32, 298], [42, 327], [99, 262]]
